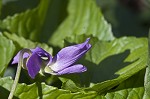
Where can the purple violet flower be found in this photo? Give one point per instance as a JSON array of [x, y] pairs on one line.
[[63, 62], [34, 61]]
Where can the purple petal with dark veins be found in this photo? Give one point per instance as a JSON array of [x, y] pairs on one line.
[[69, 55], [33, 65], [78, 68]]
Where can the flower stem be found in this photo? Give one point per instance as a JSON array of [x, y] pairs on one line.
[[20, 64]]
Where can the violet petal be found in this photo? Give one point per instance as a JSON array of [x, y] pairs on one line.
[[38, 50], [33, 64], [35, 61], [16, 58], [43, 53], [69, 55], [78, 68]]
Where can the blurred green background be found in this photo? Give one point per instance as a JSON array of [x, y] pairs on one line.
[[127, 17]]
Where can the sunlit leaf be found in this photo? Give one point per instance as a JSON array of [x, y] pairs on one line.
[[132, 88], [147, 74], [37, 90], [27, 24], [7, 49], [84, 18], [24, 43]]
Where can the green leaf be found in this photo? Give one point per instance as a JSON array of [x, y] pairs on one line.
[[147, 74], [70, 85], [84, 18], [7, 49], [128, 89], [131, 88], [125, 59], [23, 43], [27, 24], [110, 63], [40, 90]]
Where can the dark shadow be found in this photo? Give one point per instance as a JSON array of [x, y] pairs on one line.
[[56, 14], [4, 93], [39, 86], [105, 70], [130, 23], [11, 7], [135, 81], [25, 78]]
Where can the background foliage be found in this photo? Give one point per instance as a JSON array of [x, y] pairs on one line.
[[118, 62]]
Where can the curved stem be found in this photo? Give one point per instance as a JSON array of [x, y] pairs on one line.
[[20, 64]]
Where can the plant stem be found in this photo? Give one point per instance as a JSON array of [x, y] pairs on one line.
[[20, 64]]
